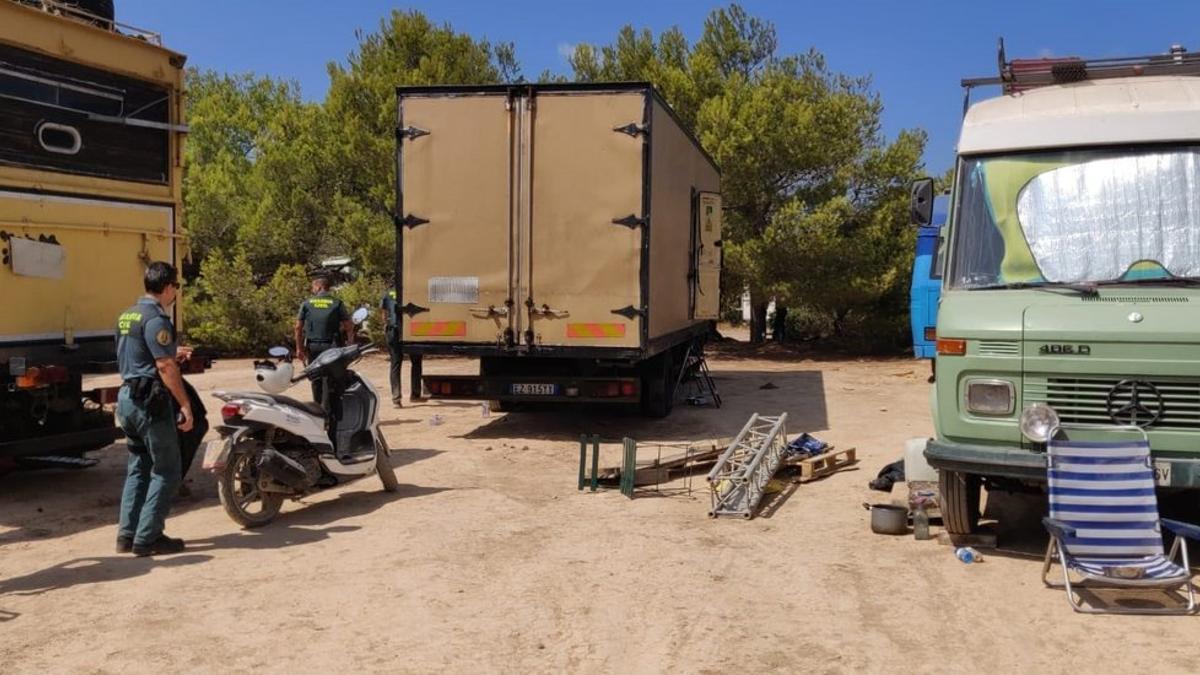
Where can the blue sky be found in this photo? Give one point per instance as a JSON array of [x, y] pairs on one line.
[[916, 52]]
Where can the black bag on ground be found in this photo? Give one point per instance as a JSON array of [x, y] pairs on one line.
[[888, 476]]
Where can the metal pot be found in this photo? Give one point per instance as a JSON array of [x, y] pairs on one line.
[[887, 518]]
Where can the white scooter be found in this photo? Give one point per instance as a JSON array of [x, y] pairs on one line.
[[274, 447]]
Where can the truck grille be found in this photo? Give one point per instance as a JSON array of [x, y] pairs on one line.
[[999, 348], [1084, 400]]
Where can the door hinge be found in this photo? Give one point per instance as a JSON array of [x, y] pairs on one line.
[[413, 310], [630, 312], [632, 222], [410, 132], [634, 129], [410, 221]]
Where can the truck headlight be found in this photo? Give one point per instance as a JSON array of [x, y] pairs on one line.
[[990, 397], [1038, 421]]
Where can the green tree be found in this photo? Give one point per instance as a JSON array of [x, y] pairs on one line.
[[406, 49], [802, 157]]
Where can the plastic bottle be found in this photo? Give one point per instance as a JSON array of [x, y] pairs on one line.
[[968, 555], [921, 523], [485, 410], [436, 420]]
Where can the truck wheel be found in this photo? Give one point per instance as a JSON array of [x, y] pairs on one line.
[[960, 501], [658, 387]]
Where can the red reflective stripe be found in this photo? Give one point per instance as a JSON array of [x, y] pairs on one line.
[[439, 328], [596, 330]]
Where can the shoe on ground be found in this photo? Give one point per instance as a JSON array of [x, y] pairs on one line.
[[164, 545], [397, 403], [124, 544]]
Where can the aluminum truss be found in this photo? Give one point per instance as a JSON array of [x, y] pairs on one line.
[[740, 477]]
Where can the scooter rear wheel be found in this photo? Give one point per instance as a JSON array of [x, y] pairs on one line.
[[238, 490]]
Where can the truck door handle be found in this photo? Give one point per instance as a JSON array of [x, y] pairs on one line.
[[545, 310], [488, 312]]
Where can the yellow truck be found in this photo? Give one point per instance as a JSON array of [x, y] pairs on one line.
[[568, 235], [91, 132]]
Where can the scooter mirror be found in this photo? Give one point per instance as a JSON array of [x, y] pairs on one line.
[[279, 352], [360, 315]]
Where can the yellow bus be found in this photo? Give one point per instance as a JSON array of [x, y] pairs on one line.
[[91, 142]]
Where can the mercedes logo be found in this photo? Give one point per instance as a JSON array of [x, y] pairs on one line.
[[1135, 403]]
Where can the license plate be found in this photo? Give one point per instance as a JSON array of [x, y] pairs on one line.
[[216, 453], [533, 389], [1162, 473]]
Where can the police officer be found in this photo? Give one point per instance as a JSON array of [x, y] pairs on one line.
[[323, 322], [389, 310], [152, 408]]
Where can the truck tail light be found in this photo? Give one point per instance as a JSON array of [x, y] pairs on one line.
[[614, 389], [43, 376], [951, 347]]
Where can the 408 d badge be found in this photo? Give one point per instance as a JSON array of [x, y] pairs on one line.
[[1065, 350]]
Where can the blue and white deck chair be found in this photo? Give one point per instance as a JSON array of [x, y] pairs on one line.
[[1104, 525]]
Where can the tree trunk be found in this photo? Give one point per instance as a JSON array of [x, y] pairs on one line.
[[779, 329], [758, 323]]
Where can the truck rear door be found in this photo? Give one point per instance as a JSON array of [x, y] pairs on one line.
[[455, 173], [708, 257], [584, 241]]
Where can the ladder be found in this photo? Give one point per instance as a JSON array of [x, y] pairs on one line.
[[737, 482], [696, 375]]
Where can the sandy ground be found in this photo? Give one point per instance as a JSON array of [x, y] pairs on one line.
[[489, 559]]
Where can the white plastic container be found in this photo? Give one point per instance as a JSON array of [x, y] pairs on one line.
[[915, 466]]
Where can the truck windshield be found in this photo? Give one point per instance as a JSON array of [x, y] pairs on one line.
[[1078, 217]]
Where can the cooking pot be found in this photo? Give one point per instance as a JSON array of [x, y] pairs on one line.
[[887, 518]]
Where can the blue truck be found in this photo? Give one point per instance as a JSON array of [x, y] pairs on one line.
[[927, 284]]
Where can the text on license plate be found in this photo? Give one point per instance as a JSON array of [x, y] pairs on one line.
[[533, 389], [1162, 473]]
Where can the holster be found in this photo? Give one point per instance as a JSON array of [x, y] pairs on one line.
[[151, 393]]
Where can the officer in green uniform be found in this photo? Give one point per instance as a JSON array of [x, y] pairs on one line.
[[152, 408], [323, 322], [390, 311]]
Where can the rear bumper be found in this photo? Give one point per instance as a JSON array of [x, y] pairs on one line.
[[501, 388], [1027, 465], [72, 442]]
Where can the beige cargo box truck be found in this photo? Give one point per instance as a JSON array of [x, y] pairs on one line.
[[567, 235]]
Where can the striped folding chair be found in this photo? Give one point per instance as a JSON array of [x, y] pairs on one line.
[[1104, 525]]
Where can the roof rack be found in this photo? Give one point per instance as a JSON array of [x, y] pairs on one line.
[[74, 12], [1024, 74]]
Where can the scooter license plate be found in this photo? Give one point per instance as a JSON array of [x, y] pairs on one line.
[[216, 453]]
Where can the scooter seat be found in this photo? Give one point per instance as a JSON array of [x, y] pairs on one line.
[[307, 406]]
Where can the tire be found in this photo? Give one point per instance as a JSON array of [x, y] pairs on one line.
[[658, 387], [235, 498], [960, 501], [387, 473]]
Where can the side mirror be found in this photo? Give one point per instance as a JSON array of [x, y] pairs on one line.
[[279, 352], [360, 315], [921, 202]]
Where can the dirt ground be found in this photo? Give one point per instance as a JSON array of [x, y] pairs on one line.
[[489, 559]]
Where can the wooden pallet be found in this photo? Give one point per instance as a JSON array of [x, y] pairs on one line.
[[822, 465]]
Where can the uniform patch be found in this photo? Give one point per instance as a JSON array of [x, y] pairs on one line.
[[163, 337]]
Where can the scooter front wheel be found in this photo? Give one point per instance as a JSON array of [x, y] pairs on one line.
[[383, 464], [240, 497]]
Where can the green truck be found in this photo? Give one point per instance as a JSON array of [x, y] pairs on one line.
[[1071, 298]]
